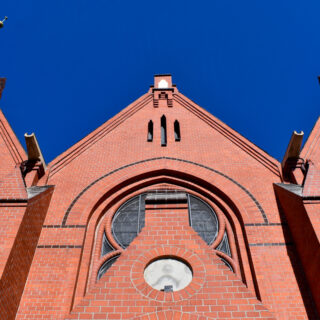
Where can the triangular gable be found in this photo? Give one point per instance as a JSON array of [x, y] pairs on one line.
[[251, 149]]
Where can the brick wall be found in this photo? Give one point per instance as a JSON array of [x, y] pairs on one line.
[[18, 263], [115, 162], [214, 291]]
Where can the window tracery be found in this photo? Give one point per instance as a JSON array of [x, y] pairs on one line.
[[129, 219]]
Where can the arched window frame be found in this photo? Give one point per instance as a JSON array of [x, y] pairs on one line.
[[163, 123], [150, 131], [177, 134], [98, 265]]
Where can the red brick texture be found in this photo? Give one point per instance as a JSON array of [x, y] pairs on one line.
[[311, 149], [17, 266], [307, 238], [215, 292], [11, 156], [312, 182], [116, 162]]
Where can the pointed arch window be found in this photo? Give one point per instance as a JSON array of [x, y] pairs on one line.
[[129, 219], [163, 131], [177, 135], [150, 131]]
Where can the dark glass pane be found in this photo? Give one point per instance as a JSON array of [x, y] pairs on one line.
[[150, 131], [227, 264], [163, 131], [125, 222], [224, 245], [142, 212], [129, 220], [104, 268], [203, 219], [177, 136], [106, 246]]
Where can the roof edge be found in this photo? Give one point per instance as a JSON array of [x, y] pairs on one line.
[[12, 142], [82, 145], [310, 143], [253, 150]]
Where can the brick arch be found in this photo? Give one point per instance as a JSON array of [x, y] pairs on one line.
[[133, 184], [134, 261], [170, 315], [232, 191], [101, 221]]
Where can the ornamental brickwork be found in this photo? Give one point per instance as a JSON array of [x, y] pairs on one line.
[[162, 180]]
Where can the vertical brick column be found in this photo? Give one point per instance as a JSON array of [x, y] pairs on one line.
[[167, 211]]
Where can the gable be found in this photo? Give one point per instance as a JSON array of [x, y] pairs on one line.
[[125, 136]]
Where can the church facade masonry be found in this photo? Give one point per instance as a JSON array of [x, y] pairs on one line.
[[163, 212]]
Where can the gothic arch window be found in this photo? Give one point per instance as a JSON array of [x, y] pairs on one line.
[[163, 131], [203, 219], [177, 135], [129, 219], [150, 131]]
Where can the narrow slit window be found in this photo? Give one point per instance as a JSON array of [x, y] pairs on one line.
[[150, 131], [177, 135], [163, 131]]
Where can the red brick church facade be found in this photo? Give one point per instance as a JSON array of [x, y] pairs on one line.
[[163, 180]]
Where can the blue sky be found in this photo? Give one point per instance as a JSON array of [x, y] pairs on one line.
[[71, 65]]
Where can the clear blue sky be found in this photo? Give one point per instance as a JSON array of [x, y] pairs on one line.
[[72, 64]]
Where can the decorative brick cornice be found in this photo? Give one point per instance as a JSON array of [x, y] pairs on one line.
[[72, 153], [252, 150]]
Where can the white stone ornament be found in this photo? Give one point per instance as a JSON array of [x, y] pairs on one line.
[[168, 272], [163, 84]]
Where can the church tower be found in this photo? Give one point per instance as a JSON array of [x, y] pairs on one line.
[[163, 212]]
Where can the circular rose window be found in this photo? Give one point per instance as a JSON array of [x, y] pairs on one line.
[[168, 275]]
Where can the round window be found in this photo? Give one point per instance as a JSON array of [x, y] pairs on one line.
[[168, 274]]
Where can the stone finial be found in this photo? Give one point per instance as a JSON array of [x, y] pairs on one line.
[[294, 146], [34, 152]]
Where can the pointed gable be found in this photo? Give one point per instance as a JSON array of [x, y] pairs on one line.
[[129, 131]]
